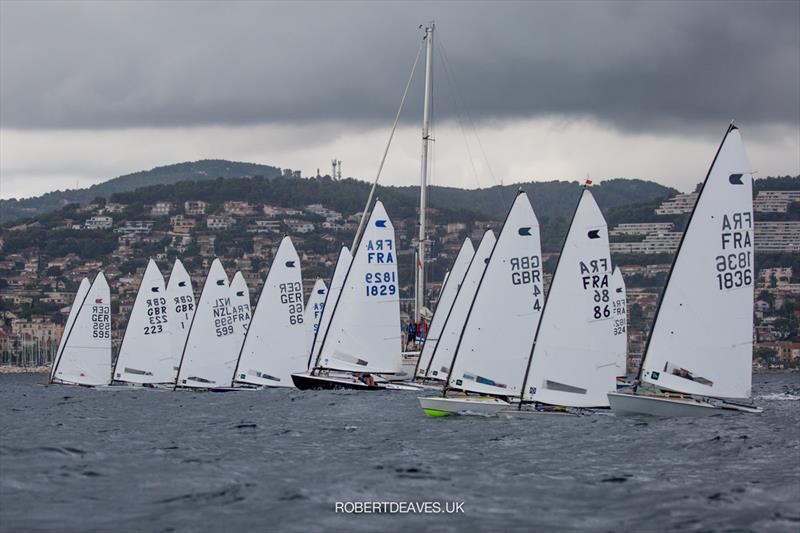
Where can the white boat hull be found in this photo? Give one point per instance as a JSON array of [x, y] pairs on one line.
[[437, 406], [662, 406]]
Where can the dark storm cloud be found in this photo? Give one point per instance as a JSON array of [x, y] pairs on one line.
[[637, 66]]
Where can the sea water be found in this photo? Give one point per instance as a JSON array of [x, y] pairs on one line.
[[76, 459]]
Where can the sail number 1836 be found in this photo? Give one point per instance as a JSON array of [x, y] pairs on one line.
[[734, 270]]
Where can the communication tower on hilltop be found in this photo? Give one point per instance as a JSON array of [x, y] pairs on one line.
[[336, 168]]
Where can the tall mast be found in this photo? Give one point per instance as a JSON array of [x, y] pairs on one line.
[[419, 293]]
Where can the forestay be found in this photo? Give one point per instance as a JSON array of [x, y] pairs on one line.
[[209, 356], [276, 343], [180, 311], [80, 295], [86, 356], [620, 310], [314, 306], [442, 354], [450, 287], [702, 337], [494, 347], [339, 273], [364, 333], [145, 355], [573, 362]]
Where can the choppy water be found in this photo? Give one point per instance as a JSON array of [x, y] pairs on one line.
[[84, 460]]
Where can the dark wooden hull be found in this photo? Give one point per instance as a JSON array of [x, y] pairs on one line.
[[308, 382]]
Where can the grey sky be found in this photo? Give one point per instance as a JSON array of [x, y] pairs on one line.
[[634, 68]]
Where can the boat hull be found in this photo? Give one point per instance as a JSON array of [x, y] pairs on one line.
[[634, 404], [437, 406], [309, 382]]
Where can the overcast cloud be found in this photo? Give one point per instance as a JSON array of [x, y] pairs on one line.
[[76, 74]]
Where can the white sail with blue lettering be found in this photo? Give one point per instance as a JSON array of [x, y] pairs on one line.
[[240, 299], [314, 306], [574, 359], [702, 337], [337, 281], [276, 343], [145, 355], [212, 345], [85, 358], [495, 342], [620, 311], [450, 287], [364, 333], [442, 355], [77, 302], [180, 310]]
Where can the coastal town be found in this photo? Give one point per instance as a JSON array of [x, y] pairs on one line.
[[38, 281]]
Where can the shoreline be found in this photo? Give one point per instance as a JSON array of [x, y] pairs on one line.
[[24, 369]]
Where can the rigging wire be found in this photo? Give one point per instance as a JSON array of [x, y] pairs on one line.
[[386, 150]]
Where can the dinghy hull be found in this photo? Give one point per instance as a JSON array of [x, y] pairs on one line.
[[661, 406], [436, 406], [309, 382]]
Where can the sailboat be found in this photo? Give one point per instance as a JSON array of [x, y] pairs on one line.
[[77, 302], [180, 311], [495, 340], [240, 300], [363, 338], [452, 282], [619, 311], [337, 281], [85, 355], [442, 353], [574, 356], [314, 306], [698, 357], [276, 344], [145, 356], [209, 355]]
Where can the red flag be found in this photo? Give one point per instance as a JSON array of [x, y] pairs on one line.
[[98, 300], [587, 182]]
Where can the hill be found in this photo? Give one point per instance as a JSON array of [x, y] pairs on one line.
[[15, 209]]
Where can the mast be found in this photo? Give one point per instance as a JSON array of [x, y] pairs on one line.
[[419, 293]]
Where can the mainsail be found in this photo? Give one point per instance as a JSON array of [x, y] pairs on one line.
[[702, 337], [180, 310], [240, 299], [496, 337], [276, 343], [574, 357], [80, 295], [85, 358], [209, 356], [337, 281], [314, 306], [442, 354], [620, 312], [450, 288], [145, 354], [364, 333]]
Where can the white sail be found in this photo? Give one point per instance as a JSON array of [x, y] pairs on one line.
[[212, 345], [364, 333], [575, 354], [145, 355], [180, 312], [497, 336], [452, 282], [314, 306], [240, 299], [620, 312], [337, 281], [442, 354], [86, 356], [702, 337], [276, 344], [83, 290]]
